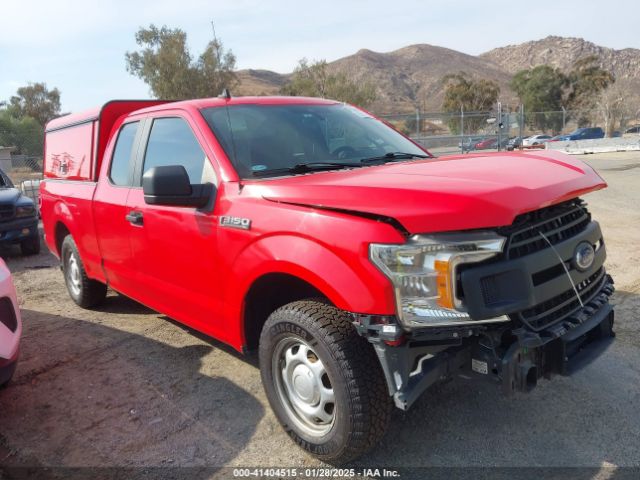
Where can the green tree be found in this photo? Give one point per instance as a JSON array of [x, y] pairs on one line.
[[470, 95], [37, 102], [315, 80], [166, 65], [587, 81], [541, 91], [25, 133], [544, 91]]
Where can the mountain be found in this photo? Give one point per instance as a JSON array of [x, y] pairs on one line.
[[410, 77], [561, 52], [259, 82]]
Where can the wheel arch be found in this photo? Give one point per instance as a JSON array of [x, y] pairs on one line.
[[268, 293], [60, 231], [296, 268]]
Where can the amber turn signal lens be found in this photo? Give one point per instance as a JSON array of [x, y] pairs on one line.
[[443, 282]]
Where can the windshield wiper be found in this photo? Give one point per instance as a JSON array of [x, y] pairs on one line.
[[306, 167], [317, 166], [391, 156]]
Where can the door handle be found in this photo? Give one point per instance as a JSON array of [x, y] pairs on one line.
[[135, 218]]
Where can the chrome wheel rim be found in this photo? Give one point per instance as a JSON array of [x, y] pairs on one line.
[[73, 274], [303, 386]]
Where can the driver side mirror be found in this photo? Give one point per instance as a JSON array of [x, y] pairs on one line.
[[169, 185]]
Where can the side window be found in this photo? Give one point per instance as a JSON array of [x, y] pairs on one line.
[[122, 154], [171, 142]]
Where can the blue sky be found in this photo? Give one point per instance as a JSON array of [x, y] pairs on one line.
[[79, 45]]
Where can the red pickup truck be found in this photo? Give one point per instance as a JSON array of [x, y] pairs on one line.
[[362, 268]]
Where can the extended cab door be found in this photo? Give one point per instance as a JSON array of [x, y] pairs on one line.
[[174, 248], [109, 207]]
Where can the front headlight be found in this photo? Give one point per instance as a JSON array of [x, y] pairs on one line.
[[25, 211], [424, 274]]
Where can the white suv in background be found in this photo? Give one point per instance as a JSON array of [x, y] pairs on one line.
[[10, 325]]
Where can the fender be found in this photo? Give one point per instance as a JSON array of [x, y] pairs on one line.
[[63, 213], [342, 282]]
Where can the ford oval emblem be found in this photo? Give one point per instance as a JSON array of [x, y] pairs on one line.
[[584, 256]]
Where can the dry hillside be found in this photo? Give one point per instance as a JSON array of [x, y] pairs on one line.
[[561, 52], [411, 76]]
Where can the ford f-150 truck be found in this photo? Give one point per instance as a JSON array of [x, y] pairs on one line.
[[362, 268]]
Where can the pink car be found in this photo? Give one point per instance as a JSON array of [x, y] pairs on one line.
[[10, 326]]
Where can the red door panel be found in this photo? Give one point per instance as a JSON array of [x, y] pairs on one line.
[[174, 253]]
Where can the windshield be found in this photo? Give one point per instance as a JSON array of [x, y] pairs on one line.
[[5, 182], [264, 140]]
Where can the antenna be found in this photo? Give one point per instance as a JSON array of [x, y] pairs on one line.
[[215, 42], [226, 94], [213, 28]]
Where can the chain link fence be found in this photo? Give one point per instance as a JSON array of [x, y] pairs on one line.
[[461, 132]]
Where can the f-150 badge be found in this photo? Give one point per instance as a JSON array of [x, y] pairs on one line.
[[235, 222]]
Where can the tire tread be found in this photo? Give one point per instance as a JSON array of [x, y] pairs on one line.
[[370, 402]]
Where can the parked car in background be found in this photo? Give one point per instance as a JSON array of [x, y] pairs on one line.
[[486, 144], [469, 143], [514, 142], [634, 129], [18, 218], [586, 133], [535, 140], [10, 326], [491, 143]]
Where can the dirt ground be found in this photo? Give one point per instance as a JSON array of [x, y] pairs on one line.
[[123, 386]]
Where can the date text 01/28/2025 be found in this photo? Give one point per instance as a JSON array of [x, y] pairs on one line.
[[315, 473]]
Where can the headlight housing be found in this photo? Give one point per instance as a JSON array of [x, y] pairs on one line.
[[424, 275], [25, 211]]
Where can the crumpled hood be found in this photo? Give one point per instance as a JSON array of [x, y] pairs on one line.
[[449, 193]]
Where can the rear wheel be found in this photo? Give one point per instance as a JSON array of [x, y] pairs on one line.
[[323, 381], [85, 292], [30, 246]]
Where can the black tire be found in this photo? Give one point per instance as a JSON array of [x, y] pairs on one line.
[[31, 246], [362, 404], [85, 292]]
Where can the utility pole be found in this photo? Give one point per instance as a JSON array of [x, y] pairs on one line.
[[499, 123], [462, 128], [521, 124]]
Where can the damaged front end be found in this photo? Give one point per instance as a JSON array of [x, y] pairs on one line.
[[539, 308]]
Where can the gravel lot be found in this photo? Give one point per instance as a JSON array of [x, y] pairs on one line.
[[126, 387]]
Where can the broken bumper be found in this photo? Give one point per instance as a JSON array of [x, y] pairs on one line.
[[472, 353]]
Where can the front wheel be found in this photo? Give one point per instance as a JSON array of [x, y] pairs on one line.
[[323, 381]]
